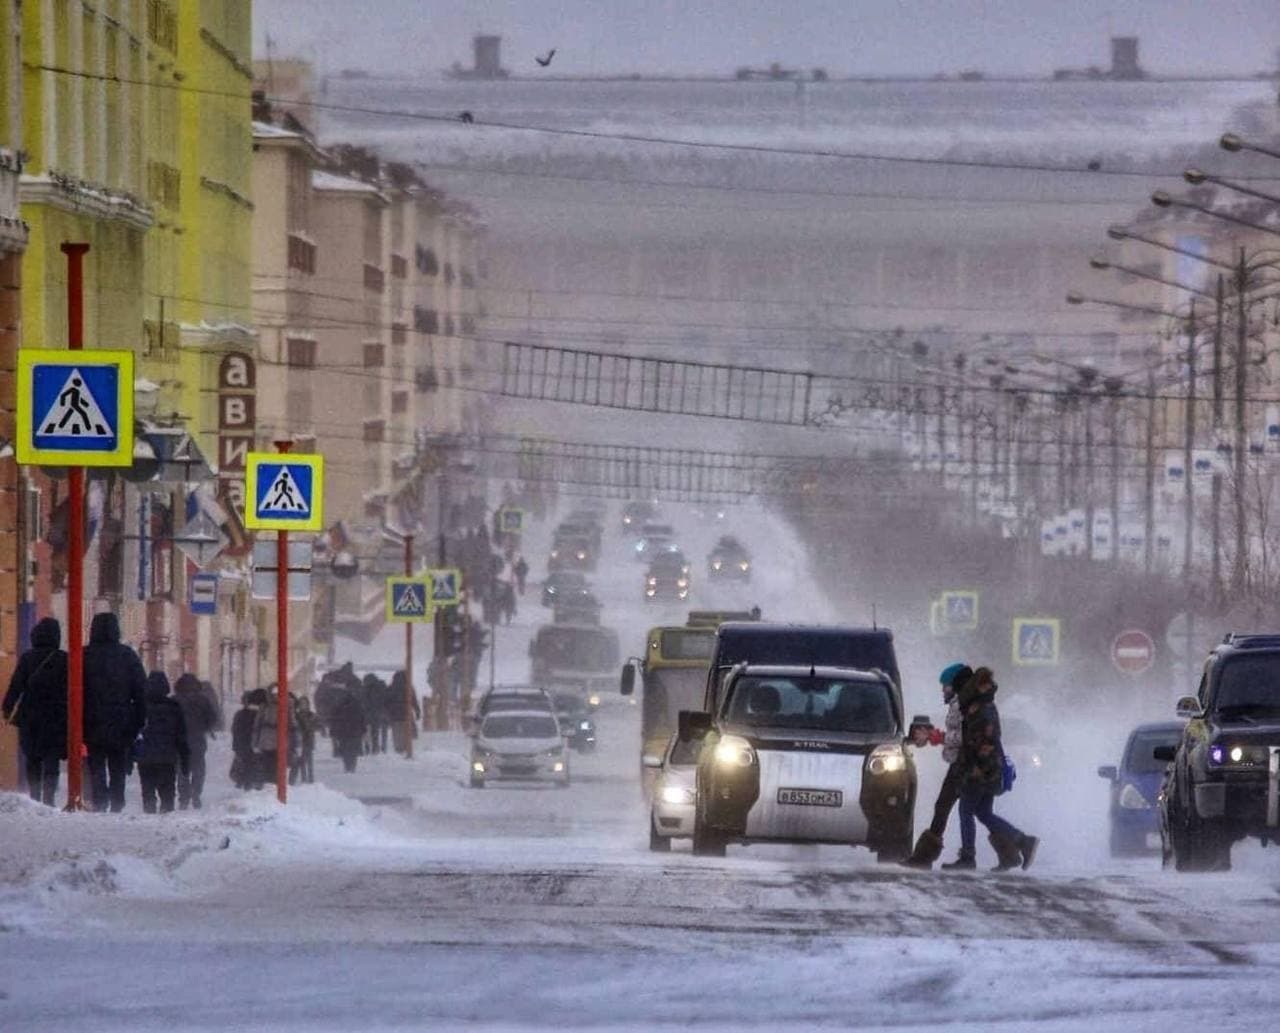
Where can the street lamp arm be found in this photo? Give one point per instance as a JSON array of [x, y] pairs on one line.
[[1099, 263], [1162, 199], [1122, 233], [1074, 298], [1196, 177], [1234, 143]]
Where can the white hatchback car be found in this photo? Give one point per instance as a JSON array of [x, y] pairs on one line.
[[671, 810], [525, 745]]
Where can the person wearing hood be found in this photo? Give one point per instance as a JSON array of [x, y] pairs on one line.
[[347, 727], [200, 717], [37, 703], [982, 780], [162, 746], [115, 709], [244, 765], [302, 767], [929, 846]]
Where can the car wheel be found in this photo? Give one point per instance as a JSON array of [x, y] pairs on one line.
[[657, 843], [1122, 845]]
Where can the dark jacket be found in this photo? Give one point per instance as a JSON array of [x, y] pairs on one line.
[[348, 720], [38, 692], [981, 751], [242, 725], [198, 712], [164, 739], [394, 699], [115, 687]]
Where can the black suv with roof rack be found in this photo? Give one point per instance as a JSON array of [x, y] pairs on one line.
[[1223, 782]]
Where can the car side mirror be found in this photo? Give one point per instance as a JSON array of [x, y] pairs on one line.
[[1109, 772], [651, 760], [1165, 753], [1188, 708], [693, 725], [628, 679]]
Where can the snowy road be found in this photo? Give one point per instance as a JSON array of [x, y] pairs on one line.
[[433, 906]]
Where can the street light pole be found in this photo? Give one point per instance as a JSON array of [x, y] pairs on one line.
[[1218, 344], [1238, 564], [1188, 500], [1150, 502], [409, 723]]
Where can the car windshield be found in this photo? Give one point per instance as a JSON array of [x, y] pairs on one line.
[[1139, 758], [587, 649], [566, 579], [1250, 683], [520, 726], [667, 563], [515, 703], [812, 703], [569, 705]]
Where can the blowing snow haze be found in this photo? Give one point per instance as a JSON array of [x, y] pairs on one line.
[[713, 37]]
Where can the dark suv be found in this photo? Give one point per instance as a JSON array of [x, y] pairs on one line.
[[1223, 783]]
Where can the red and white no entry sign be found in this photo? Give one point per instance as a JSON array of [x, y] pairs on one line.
[[1133, 651]]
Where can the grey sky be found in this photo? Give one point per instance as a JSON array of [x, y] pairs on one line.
[[714, 36]]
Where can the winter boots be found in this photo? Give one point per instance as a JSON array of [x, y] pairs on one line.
[[963, 863], [1027, 847], [928, 849], [1008, 852]]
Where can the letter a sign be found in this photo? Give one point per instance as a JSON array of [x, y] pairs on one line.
[[74, 408], [284, 492]]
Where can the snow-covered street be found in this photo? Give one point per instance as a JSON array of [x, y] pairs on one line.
[[398, 898]]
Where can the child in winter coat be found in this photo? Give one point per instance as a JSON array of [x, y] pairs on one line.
[[162, 746]]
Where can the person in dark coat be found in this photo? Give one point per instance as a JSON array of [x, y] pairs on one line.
[[37, 703], [115, 709], [928, 847], [244, 766], [982, 779], [303, 764], [201, 718], [373, 696], [397, 702], [162, 747], [347, 726]]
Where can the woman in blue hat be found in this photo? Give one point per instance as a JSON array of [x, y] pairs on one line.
[[929, 845]]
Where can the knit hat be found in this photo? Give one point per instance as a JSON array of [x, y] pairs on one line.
[[950, 672]]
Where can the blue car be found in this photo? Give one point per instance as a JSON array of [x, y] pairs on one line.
[[1135, 784]]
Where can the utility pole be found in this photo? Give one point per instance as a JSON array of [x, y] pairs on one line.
[[409, 723], [1150, 501], [1113, 388], [1238, 567], [1088, 475], [1218, 344], [1188, 499]]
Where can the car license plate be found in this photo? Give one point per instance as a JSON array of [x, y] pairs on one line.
[[812, 797]]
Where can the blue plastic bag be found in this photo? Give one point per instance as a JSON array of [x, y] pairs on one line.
[[1008, 773]]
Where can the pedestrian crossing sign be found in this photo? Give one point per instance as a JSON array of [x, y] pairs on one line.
[[446, 587], [1036, 641], [510, 521], [74, 408], [960, 610], [408, 599], [284, 492]]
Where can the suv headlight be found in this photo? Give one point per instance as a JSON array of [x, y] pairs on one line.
[[676, 795], [887, 758], [734, 752], [744, 565], [1225, 755], [1132, 800], [716, 564]]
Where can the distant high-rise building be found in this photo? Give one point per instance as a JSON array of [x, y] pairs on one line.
[[1124, 58], [488, 56]]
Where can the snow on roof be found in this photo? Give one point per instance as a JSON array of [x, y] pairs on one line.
[[333, 181], [265, 130]]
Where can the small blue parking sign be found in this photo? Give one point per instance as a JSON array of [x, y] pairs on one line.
[[284, 492], [1036, 641], [204, 595], [74, 408]]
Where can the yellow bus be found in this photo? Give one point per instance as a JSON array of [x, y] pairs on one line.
[[673, 676]]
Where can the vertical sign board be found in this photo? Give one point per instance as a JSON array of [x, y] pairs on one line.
[[446, 586], [408, 599], [204, 595], [74, 408], [1036, 641], [237, 422]]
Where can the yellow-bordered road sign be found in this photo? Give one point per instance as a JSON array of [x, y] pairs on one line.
[[510, 520], [1036, 641], [283, 492], [75, 408], [408, 599], [446, 586], [937, 617], [960, 607]]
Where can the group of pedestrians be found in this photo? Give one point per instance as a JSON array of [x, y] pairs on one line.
[[255, 739], [977, 772], [130, 718]]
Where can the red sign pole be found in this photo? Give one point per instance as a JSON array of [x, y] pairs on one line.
[[282, 655], [409, 723], [75, 560]]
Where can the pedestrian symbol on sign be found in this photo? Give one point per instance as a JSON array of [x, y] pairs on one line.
[[446, 587], [285, 492], [284, 496], [960, 610], [75, 413], [412, 602], [407, 599]]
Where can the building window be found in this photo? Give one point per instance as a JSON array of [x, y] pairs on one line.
[[468, 324], [425, 380], [374, 431], [400, 402], [399, 267], [374, 279], [375, 356], [426, 320], [302, 254], [425, 259], [448, 274], [448, 326], [164, 185], [162, 25], [300, 353], [399, 333], [468, 278]]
